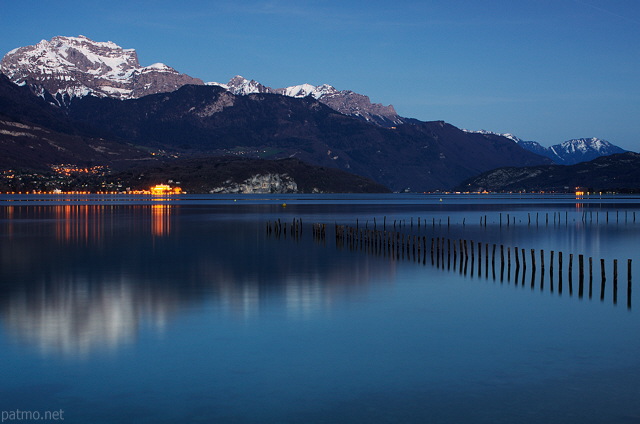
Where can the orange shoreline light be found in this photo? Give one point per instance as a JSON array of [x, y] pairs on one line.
[[162, 189]]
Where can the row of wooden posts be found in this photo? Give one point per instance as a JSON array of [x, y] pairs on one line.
[[506, 219], [448, 253], [465, 255], [295, 228], [279, 228]]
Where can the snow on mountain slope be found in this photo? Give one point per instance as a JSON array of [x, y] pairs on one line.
[[345, 101], [68, 67], [583, 149], [77, 66]]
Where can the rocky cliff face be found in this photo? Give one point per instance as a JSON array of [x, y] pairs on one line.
[[260, 184], [69, 67]]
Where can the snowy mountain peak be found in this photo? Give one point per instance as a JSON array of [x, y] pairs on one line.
[[585, 144], [568, 152], [485, 132], [77, 66], [302, 90], [241, 86], [159, 67]]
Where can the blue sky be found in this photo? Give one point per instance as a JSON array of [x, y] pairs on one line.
[[543, 70]]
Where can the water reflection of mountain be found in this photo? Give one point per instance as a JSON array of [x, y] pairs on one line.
[[115, 276], [76, 317]]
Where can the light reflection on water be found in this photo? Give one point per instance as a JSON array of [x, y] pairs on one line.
[[191, 312]]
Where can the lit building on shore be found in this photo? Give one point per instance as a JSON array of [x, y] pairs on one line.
[[162, 189]]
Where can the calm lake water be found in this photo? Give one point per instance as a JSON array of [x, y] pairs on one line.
[[185, 310]]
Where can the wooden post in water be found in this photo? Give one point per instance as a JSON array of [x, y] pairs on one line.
[[581, 275], [508, 263], [493, 261], [455, 254], [570, 263], [493, 254], [615, 281], [570, 274], [604, 279], [590, 276], [560, 261], [551, 271], [541, 270], [560, 272], [472, 251], [533, 258], [629, 280], [462, 261], [501, 263], [486, 260]]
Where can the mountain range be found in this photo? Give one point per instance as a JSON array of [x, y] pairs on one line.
[[95, 98], [568, 152], [68, 67]]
